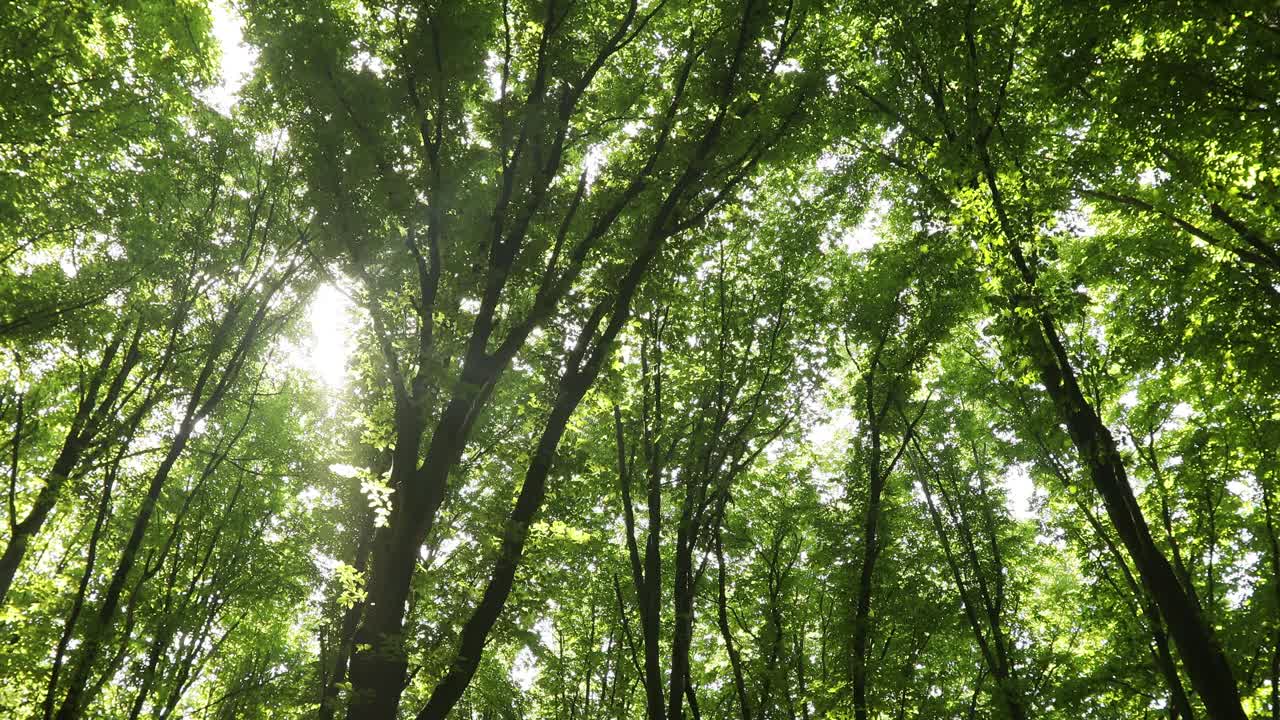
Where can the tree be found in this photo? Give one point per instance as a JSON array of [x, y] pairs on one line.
[[712, 388], [553, 250], [1005, 199], [619, 359]]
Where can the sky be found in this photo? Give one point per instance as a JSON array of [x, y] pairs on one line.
[[324, 352], [237, 58]]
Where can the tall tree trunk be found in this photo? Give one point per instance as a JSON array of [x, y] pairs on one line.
[[593, 347], [329, 695], [682, 621], [1273, 547], [329, 692], [1140, 599], [722, 618], [646, 573], [378, 666], [866, 575], [880, 464], [1202, 654], [475, 631]]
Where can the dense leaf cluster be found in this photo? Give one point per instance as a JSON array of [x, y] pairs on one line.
[[739, 359]]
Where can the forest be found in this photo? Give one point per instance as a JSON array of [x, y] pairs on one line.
[[640, 359]]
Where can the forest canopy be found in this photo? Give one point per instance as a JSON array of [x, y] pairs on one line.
[[640, 359]]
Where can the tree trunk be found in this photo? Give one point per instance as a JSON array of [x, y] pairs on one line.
[[329, 695], [1273, 546], [1202, 655], [592, 348], [866, 575], [476, 630], [735, 658], [378, 667]]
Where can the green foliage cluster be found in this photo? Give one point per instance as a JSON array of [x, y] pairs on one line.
[[749, 359]]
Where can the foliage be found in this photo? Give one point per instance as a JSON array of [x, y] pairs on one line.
[[741, 359]]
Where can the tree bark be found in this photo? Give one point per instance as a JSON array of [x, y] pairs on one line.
[[866, 575], [592, 348]]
